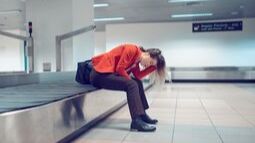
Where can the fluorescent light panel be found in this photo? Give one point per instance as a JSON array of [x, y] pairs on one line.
[[191, 15], [234, 13], [6, 12], [178, 1], [101, 5], [109, 19]]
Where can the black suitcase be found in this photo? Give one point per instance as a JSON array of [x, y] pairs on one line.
[[83, 72]]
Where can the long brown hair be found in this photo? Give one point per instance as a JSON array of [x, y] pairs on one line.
[[161, 64]]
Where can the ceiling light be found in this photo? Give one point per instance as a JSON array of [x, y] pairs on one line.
[[6, 12], [101, 5], [241, 6], [177, 1], [109, 19], [191, 15], [234, 13]]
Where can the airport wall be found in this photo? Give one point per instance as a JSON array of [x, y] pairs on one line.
[[182, 48], [62, 16], [100, 43]]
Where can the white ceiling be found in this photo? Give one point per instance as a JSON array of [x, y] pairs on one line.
[[12, 20], [143, 11], [161, 10]]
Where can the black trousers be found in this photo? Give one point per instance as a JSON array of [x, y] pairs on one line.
[[136, 98]]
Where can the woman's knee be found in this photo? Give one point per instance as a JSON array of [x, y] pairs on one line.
[[139, 82], [130, 84]]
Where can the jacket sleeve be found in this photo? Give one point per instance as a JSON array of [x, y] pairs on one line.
[[140, 74], [125, 59]]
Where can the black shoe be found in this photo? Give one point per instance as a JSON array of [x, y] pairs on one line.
[[139, 125], [148, 120]]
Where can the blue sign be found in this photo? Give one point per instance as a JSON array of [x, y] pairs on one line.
[[218, 26]]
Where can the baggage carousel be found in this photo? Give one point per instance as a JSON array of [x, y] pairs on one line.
[[51, 107]]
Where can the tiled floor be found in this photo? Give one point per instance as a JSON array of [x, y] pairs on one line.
[[187, 113]]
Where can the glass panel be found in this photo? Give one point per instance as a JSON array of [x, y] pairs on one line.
[[11, 53], [76, 49]]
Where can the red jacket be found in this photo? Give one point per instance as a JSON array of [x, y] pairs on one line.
[[119, 60]]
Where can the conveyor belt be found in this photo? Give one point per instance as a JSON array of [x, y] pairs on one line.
[[68, 109], [26, 96]]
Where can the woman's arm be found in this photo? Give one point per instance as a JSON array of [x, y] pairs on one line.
[[125, 59], [140, 74]]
